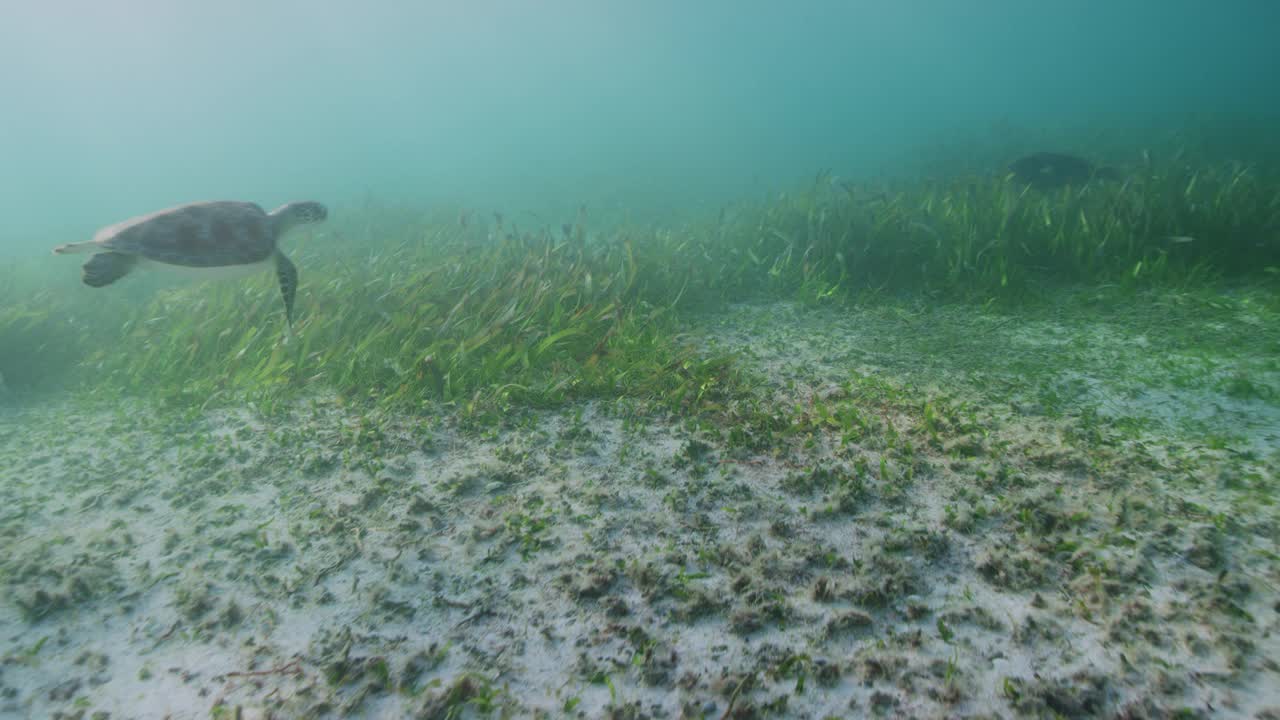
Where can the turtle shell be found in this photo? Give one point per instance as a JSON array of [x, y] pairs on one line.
[[207, 234], [1049, 170]]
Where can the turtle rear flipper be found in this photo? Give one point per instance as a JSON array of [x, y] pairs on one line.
[[287, 274], [108, 267]]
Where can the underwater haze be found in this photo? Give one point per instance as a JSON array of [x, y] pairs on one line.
[[639, 360], [113, 110]]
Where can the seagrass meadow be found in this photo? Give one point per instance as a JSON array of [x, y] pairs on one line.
[[927, 445], [404, 307]]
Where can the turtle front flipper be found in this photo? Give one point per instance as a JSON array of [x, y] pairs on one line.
[[288, 276], [105, 268]]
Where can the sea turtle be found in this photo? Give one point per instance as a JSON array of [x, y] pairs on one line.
[[1051, 170], [209, 237]]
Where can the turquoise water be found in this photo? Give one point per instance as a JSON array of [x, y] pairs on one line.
[[661, 107], [653, 360]]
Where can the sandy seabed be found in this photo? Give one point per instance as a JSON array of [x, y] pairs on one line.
[[992, 557]]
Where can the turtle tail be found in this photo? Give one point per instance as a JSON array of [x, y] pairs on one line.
[[108, 267]]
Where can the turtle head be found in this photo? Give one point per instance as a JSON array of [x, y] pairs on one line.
[[290, 215]]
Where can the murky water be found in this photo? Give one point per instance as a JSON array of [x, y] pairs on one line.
[[894, 359]]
